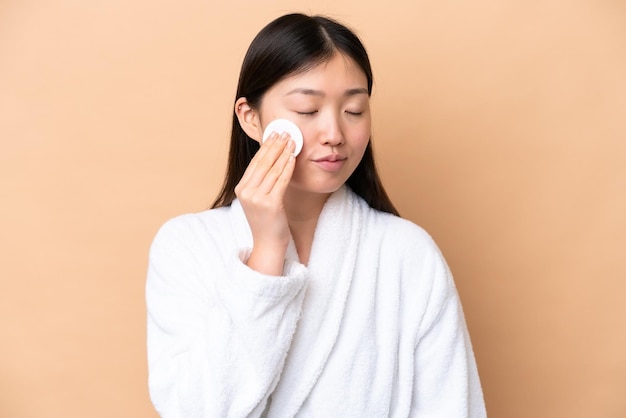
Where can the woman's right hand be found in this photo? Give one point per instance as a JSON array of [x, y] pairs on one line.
[[260, 192]]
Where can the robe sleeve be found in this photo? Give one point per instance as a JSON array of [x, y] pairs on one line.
[[446, 382], [218, 332]]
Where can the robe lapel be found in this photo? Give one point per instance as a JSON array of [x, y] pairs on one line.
[[331, 267]]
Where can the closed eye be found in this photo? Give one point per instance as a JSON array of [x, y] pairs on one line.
[[354, 113], [307, 113]]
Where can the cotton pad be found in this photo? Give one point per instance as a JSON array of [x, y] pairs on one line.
[[284, 125]]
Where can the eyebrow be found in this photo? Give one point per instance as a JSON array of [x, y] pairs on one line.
[[312, 92]]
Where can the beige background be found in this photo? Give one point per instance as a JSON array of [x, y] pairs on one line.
[[499, 127]]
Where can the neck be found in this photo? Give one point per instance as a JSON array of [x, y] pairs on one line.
[[303, 206], [303, 210]]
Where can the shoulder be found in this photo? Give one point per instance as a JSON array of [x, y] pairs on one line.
[[191, 229], [389, 229], [417, 258], [422, 272], [402, 235]]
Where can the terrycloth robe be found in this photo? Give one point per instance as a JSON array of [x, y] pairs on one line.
[[371, 327]]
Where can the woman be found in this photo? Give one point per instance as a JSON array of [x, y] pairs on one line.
[[301, 292]]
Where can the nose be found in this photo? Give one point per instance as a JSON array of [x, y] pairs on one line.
[[331, 132]]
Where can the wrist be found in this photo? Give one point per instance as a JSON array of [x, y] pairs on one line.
[[267, 259]]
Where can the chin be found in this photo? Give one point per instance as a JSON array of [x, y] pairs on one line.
[[317, 188]]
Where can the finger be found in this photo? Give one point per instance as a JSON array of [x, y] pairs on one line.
[[260, 155], [281, 183], [264, 164], [277, 169]]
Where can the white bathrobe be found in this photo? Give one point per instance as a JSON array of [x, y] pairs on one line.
[[371, 327]]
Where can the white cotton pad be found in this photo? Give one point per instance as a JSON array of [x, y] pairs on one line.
[[284, 125]]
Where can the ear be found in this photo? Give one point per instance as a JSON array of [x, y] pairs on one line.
[[249, 119]]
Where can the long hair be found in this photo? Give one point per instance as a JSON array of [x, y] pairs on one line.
[[290, 45]]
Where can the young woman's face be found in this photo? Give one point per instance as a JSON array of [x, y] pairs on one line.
[[330, 105]]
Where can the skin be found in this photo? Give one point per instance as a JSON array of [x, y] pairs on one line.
[[282, 196]]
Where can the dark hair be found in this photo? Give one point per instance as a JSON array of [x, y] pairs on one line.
[[287, 46]]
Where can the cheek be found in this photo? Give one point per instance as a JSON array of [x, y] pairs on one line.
[[362, 136], [361, 128], [308, 136]]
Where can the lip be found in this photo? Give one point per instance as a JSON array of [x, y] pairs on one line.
[[331, 162], [331, 158]]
